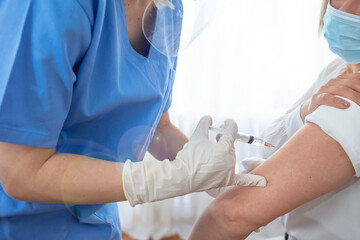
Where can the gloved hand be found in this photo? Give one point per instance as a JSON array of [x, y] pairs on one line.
[[199, 166], [253, 180]]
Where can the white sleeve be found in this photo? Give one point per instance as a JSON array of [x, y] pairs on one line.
[[283, 128], [342, 126], [293, 121]]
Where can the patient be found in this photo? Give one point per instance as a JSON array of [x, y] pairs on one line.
[[312, 178]]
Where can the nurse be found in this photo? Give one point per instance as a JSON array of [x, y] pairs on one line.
[[82, 96]]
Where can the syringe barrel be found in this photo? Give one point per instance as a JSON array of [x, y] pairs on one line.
[[243, 137]]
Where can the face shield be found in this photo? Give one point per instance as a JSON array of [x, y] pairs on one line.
[[170, 29]]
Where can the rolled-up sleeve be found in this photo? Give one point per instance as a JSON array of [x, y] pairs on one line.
[[42, 43], [342, 126]]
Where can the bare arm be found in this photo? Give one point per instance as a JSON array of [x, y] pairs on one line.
[[308, 166], [42, 175], [167, 141]]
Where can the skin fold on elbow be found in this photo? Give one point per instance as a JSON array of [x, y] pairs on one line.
[[233, 218], [14, 187], [22, 188], [10, 182], [19, 166], [18, 184]]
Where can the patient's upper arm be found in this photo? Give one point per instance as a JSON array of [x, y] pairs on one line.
[[320, 157], [343, 126], [308, 166]]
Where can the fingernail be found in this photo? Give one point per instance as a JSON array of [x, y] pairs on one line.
[[345, 103]]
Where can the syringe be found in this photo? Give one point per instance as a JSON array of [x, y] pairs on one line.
[[245, 138]]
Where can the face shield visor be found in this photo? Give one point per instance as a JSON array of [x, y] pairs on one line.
[[171, 28]]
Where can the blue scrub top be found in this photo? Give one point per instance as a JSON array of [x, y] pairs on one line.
[[70, 79]]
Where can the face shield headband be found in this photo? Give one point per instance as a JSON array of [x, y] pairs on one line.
[[171, 28]]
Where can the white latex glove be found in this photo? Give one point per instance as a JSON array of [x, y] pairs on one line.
[[253, 180], [199, 166], [251, 163]]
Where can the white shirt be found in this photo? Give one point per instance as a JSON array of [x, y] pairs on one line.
[[336, 215]]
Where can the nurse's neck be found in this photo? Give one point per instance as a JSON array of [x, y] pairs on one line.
[[353, 68]]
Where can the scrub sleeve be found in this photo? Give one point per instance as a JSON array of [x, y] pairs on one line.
[[42, 46]]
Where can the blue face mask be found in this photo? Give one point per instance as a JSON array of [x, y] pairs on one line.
[[342, 31]]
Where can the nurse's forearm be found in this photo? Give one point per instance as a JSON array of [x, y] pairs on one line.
[[308, 166], [81, 180], [41, 175], [167, 141]]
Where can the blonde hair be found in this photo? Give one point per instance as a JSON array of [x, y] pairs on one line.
[[163, 3], [322, 13]]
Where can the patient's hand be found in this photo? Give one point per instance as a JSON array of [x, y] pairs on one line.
[[346, 85]]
